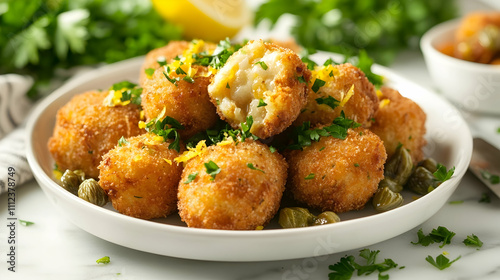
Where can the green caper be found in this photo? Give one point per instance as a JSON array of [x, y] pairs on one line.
[[327, 217], [391, 184], [71, 180], [91, 191], [293, 217], [429, 164], [421, 181], [80, 174], [385, 200], [399, 167]]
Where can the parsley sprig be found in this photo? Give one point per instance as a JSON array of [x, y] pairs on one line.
[[441, 261], [344, 269], [473, 241], [166, 128], [441, 234], [442, 174]]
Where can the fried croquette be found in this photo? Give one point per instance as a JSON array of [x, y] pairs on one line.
[[242, 191], [165, 54], [400, 121], [264, 81], [140, 177], [185, 101], [86, 129], [348, 85], [337, 175]]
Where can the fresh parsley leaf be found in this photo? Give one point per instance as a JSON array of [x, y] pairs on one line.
[[188, 79], [473, 241], [149, 72], [310, 64], [441, 261], [424, 240], [227, 86], [329, 101], [251, 166], [272, 149], [493, 179], [485, 198], [262, 64], [161, 60], [441, 174], [212, 169], [329, 61], [166, 128], [123, 141], [103, 260], [301, 79], [25, 223], [441, 234], [310, 176], [317, 84], [343, 269], [191, 177], [172, 80], [261, 103]]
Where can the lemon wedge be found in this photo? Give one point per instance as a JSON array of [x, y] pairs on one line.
[[205, 19]]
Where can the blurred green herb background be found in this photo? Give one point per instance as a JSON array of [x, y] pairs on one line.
[[381, 27], [43, 37]]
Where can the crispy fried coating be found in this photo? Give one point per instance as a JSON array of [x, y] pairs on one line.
[[86, 129], [264, 81], [337, 175], [168, 52], [184, 101], [240, 197], [340, 81], [400, 120], [141, 177]]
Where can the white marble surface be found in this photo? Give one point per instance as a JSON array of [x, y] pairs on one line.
[[53, 248]]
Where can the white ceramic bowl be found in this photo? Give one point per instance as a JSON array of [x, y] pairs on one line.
[[471, 86], [449, 142]]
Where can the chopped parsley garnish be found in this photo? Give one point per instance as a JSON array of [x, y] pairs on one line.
[[317, 84], [441, 174], [301, 79], [456, 202], [262, 64], [162, 61], [166, 128], [212, 169], [149, 72], [219, 56], [26, 223], [344, 269], [329, 61], [227, 86], [441, 261], [221, 131], [329, 101], [272, 149], [177, 79], [310, 176], [172, 80], [251, 166], [322, 148], [103, 260], [136, 196], [129, 91], [485, 198], [441, 234], [261, 103], [245, 129], [191, 177], [473, 241], [123, 141], [310, 64], [356, 164], [493, 179], [188, 79]]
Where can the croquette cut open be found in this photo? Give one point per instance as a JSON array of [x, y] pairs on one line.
[[264, 81]]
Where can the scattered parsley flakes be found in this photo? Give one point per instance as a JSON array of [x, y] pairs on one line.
[[149, 72], [251, 166], [191, 177], [456, 202], [26, 223], [345, 268], [162, 61], [227, 86], [212, 169], [310, 64], [310, 176], [473, 241], [123, 141], [485, 198], [329, 61], [441, 261], [317, 84], [441, 234], [137, 196], [301, 79], [172, 80], [356, 164], [492, 178], [261, 103], [188, 79], [166, 128], [262, 64], [321, 149], [329, 101], [103, 260], [441, 174], [272, 149]]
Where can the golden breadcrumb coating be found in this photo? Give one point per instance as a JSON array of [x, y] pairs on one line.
[[264, 81], [239, 198], [345, 83], [141, 177], [337, 175], [86, 129], [400, 120]]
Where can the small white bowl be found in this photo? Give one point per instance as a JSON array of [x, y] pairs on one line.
[[471, 86]]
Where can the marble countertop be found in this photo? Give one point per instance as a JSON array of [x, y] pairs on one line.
[[54, 248]]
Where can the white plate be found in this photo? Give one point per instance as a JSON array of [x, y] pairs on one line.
[[449, 142]]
